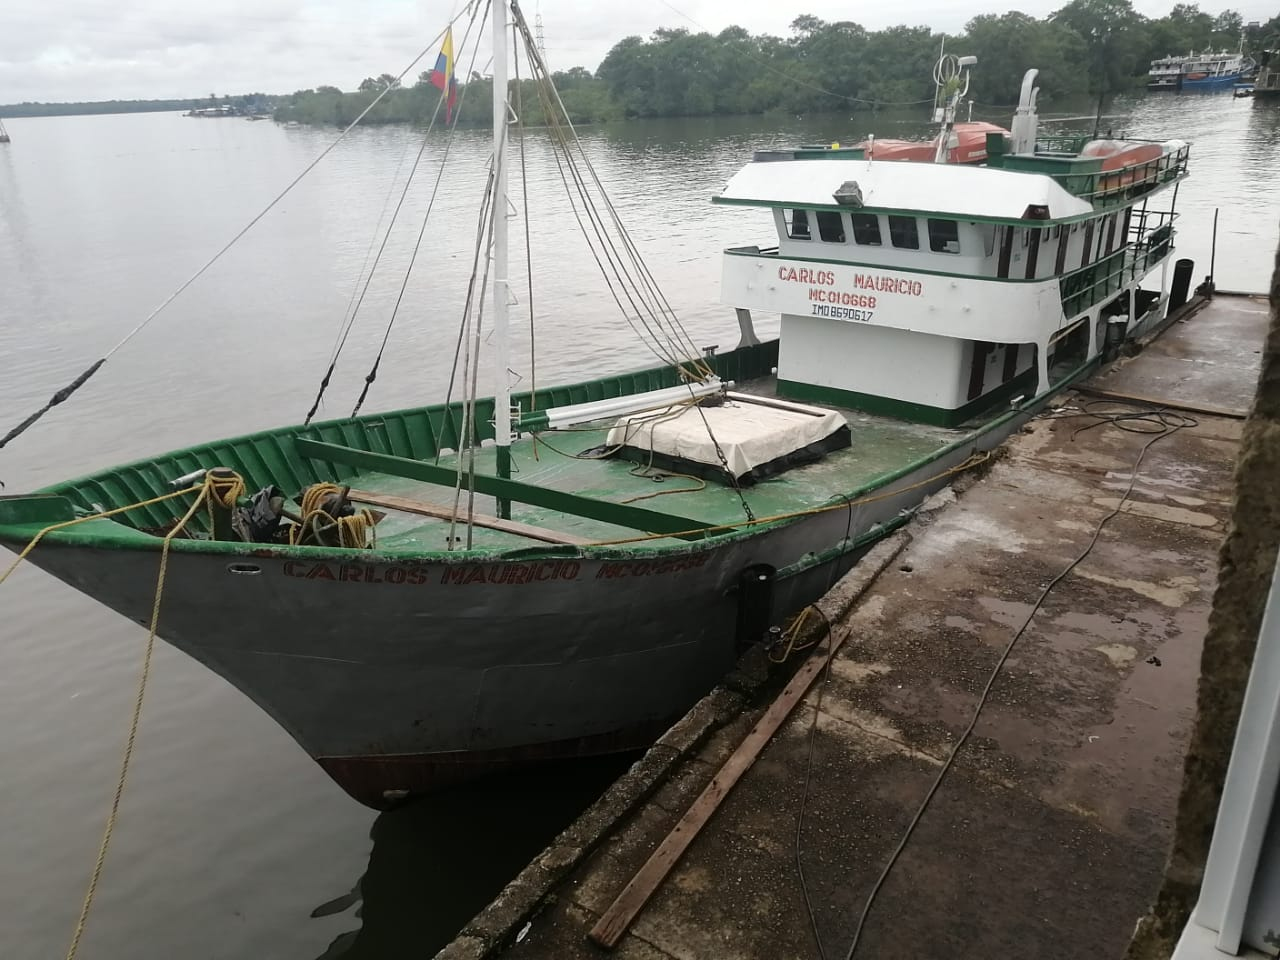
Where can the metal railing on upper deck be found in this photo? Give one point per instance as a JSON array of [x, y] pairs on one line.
[[1104, 188], [1150, 240]]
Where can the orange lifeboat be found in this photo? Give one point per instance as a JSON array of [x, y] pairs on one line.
[[972, 146], [1132, 161]]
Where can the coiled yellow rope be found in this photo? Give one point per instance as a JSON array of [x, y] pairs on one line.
[[223, 488], [354, 532], [791, 635]]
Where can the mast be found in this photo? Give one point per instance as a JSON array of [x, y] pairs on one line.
[[501, 294], [951, 80]]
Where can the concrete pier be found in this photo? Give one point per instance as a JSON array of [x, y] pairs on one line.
[[1048, 835]]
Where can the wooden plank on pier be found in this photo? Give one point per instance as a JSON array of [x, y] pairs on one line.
[[439, 512], [615, 921]]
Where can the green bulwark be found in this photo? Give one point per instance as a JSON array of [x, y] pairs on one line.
[[1023, 383], [272, 457]]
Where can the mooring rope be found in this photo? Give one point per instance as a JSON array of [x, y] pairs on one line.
[[223, 489], [206, 491]]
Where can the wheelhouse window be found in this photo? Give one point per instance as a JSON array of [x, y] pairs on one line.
[[830, 226], [944, 236], [866, 229], [904, 233], [798, 225]]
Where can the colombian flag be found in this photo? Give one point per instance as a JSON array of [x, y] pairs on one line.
[[442, 76]]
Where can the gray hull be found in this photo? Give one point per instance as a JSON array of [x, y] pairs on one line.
[[401, 677]]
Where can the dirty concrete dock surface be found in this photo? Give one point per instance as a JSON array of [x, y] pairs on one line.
[[1048, 834]]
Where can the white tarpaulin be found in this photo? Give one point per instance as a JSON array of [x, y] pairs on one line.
[[753, 432]]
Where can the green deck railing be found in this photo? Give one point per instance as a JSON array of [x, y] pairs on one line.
[[1090, 285], [1059, 158]]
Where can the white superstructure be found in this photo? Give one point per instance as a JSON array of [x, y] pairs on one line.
[[926, 289]]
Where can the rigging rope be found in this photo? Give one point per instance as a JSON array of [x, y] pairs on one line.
[[464, 324], [349, 314], [422, 230], [640, 292], [79, 381], [528, 245], [470, 364]]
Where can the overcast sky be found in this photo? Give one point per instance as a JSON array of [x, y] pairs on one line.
[[56, 50]]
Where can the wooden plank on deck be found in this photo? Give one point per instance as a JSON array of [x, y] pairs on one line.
[[578, 505], [440, 512]]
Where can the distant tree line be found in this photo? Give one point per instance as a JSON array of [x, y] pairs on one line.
[[1088, 47], [242, 103], [586, 98]]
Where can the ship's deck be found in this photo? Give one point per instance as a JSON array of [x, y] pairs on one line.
[[881, 447]]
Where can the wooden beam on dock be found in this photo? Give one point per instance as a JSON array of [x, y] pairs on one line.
[[616, 920], [439, 512], [1158, 404]]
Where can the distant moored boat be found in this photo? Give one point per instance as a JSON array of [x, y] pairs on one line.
[[1202, 71]]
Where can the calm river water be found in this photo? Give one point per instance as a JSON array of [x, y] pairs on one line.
[[230, 842]]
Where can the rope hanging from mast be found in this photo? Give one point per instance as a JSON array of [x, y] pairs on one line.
[[422, 230], [628, 279], [626, 274], [350, 321], [528, 245]]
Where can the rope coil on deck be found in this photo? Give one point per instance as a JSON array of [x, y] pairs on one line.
[[357, 531]]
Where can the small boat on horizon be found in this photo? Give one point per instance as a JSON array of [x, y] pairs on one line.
[[424, 595]]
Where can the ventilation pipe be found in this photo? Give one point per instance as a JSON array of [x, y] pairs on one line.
[[1024, 118]]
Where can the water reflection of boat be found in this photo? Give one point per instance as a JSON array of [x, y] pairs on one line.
[[437, 862]]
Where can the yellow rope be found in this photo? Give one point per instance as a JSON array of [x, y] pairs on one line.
[[969, 464], [226, 490], [205, 491], [222, 488], [791, 634], [93, 516], [354, 532]]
